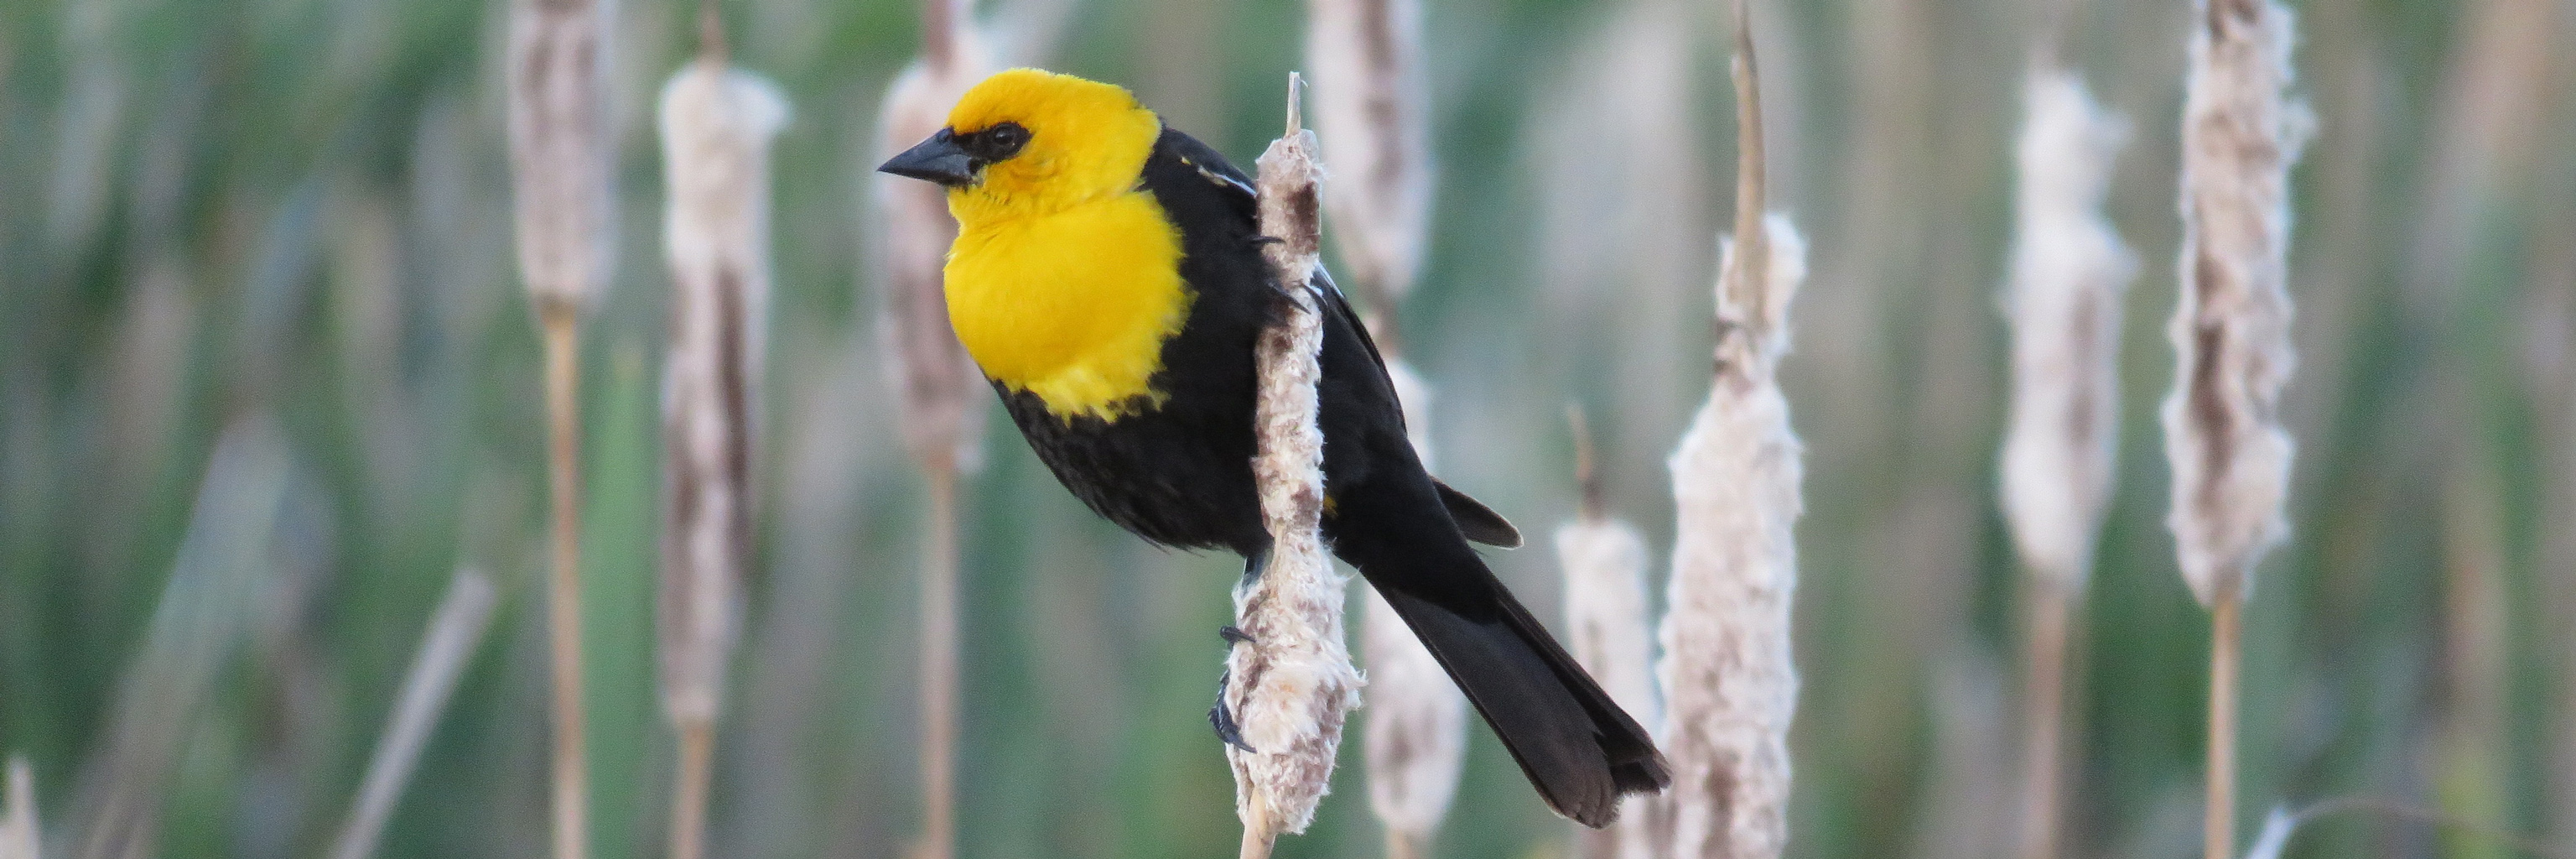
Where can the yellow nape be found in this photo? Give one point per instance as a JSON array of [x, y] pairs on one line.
[[1065, 278]]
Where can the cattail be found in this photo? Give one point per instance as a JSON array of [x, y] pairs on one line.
[[455, 628], [716, 124], [1415, 729], [1609, 623], [19, 835], [2231, 335], [1365, 55], [561, 154], [2069, 273], [1730, 687], [1292, 683], [1365, 58], [943, 393], [561, 150]]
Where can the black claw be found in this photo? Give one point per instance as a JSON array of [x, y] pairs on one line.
[[1233, 634], [1222, 720], [1254, 564]]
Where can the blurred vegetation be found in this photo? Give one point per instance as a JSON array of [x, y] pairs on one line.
[[219, 210]]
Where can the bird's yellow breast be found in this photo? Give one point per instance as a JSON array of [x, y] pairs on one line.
[[1072, 305]]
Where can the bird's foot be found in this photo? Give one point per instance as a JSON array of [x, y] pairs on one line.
[[1222, 719]]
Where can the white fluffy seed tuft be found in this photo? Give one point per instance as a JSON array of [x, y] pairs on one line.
[[2231, 329], [2069, 273]]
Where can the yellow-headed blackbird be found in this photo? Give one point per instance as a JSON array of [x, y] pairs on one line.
[[1107, 277]]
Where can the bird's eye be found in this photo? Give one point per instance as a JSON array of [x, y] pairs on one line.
[[1003, 141]]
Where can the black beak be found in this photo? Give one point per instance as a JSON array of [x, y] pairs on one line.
[[938, 159]]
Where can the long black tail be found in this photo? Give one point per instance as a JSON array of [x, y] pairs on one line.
[[1578, 748]]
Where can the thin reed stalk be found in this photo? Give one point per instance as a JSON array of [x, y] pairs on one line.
[[455, 630], [2069, 273], [1609, 628], [942, 391], [20, 835], [1291, 684], [716, 125], [223, 564], [2231, 333], [1729, 683], [561, 151]]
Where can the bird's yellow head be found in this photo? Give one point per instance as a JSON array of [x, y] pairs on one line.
[[1030, 141]]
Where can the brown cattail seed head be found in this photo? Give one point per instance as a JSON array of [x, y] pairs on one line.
[[943, 392], [562, 151], [2231, 329], [2069, 273], [716, 126], [1365, 57]]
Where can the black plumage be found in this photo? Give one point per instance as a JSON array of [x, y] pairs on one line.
[[1176, 470]]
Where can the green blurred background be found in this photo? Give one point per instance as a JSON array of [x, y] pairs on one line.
[[217, 210]]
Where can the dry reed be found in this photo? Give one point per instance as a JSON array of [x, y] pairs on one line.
[[1291, 684], [2231, 334], [942, 390], [455, 629], [1609, 628], [716, 125], [1730, 686], [223, 566], [20, 836], [561, 159], [2069, 273]]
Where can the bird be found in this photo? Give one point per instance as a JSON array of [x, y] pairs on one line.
[[1107, 278]]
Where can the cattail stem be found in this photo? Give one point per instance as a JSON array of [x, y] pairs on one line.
[[939, 667], [689, 790], [2044, 717], [563, 596], [2226, 650]]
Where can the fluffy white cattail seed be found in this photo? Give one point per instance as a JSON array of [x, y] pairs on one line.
[[2231, 329], [1730, 687], [561, 149], [1292, 684], [716, 125], [2069, 273], [1365, 58]]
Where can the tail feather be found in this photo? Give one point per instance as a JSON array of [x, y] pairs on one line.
[[1578, 748]]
